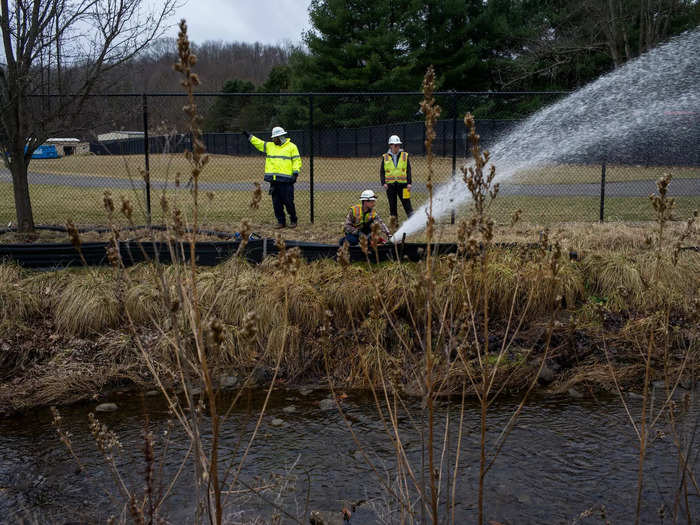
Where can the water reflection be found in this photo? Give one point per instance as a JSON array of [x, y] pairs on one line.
[[561, 459]]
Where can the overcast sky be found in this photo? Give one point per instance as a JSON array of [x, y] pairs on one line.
[[266, 21]]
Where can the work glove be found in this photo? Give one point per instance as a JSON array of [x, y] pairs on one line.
[[246, 134], [295, 175]]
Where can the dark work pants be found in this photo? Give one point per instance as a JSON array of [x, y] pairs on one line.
[[393, 191], [283, 197], [352, 238]]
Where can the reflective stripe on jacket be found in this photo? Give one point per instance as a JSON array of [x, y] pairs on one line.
[[396, 173], [360, 220], [357, 222], [281, 162]]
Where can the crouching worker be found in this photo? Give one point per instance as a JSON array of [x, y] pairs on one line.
[[360, 218]]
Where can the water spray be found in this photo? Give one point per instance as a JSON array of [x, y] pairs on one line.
[[614, 108]]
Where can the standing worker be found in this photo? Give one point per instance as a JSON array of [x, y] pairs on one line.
[[360, 218], [282, 165], [395, 175]]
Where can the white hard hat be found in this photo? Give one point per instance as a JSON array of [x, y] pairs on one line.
[[278, 131], [394, 139], [368, 195]]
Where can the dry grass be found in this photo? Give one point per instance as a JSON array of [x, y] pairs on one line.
[[16, 305], [83, 303], [89, 305], [623, 281]]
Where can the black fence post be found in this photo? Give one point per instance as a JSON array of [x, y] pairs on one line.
[[311, 158], [146, 151], [602, 192], [454, 146]]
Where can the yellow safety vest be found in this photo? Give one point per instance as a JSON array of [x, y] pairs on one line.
[[281, 162], [395, 173], [359, 219]]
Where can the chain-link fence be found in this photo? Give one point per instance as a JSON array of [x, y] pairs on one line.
[[341, 139]]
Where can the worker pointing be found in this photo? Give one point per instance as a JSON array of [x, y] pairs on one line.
[[360, 218], [395, 176], [282, 165]]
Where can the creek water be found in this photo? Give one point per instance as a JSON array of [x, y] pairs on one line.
[[564, 456]]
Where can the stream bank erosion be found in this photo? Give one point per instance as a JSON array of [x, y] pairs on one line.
[[66, 335]]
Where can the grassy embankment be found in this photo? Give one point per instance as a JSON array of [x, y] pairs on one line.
[[64, 337], [55, 204]]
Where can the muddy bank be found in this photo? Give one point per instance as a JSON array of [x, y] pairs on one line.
[[72, 335]]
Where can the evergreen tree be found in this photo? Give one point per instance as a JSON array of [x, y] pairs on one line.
[[226, 112], [441, 33], [355, 45]]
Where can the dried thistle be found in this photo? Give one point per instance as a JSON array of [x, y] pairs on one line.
[[245, 230], [257, 197], [108, 203], [364, 244], [113, 254], [432, 113], [515, 218], [481, 187], [343, 255], [215, 333], [74, 235], [374, 234], [164, 205], [196, 158], [393, 223], [64, 435], [249, 326], [178, 223], [105, 439], [127, 210], [687, 232]]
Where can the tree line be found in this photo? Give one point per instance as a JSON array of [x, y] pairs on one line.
[[475, 45]]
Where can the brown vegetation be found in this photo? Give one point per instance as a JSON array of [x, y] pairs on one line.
[[74, 318]]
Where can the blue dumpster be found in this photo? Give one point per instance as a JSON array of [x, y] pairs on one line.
[[45, 151]]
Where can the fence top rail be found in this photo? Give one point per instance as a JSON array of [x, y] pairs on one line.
[[309, 93]]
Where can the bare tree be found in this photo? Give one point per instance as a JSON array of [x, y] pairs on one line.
[[62, 48]]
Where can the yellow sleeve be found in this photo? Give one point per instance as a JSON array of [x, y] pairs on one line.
[[258, 144], [296, 159]]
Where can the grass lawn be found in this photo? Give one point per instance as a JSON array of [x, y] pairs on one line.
[[577, 173], [225, 209], [225, 168]]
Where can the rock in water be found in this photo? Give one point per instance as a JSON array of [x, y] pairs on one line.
[[326, 404], [226, 381], [546, 375], [277, 422], [106, 407], [575, 393], [290, 409]]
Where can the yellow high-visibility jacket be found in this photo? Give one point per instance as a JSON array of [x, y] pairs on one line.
[[282, 162], [395, 173], [358, 222]]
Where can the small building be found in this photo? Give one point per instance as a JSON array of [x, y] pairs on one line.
[[68, 146], [119, 135]]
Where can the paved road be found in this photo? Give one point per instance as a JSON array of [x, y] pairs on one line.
[[641, 188]]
